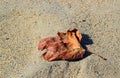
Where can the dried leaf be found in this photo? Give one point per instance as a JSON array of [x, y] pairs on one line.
[[65, 46]]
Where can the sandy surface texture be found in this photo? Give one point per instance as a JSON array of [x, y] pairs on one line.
[[24, 22]]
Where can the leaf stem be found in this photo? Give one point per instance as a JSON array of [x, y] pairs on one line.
[[97, 55]]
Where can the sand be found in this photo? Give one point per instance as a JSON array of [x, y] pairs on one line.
[[24, 22]]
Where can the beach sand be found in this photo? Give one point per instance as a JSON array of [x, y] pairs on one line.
[[24, 22]]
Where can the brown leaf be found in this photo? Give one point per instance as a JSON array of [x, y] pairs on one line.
[[65, 46]]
